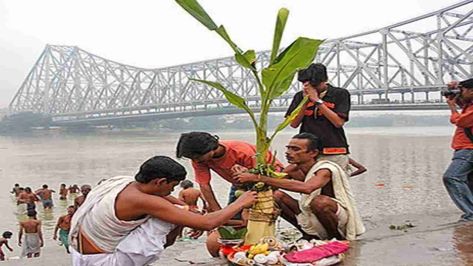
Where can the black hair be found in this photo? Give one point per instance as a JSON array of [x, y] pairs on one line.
[[17, 185], [7, 234], [160, 167], [315, 74], [187, 184], [45, 186], [195, 144], [314, 141], [468, 84], [28, 189]]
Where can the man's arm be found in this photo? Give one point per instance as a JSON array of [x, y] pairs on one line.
[[174, 200], [59, 221], [20, 234], [321, 178], [204, 203], [163, 210], [40, 233], [209, 196], [359, 167], [6, 244]]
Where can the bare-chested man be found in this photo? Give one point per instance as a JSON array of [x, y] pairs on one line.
[[64, 225], [16, 190], [63, 191], [191, 195], [123, 212], [33, 240], [29, 198], [73, 189], [84, 189], [46, 196], [326, 208]]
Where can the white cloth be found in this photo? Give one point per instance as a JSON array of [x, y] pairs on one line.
[[142, 246], [31, 244], [343, 196], [96, 216]]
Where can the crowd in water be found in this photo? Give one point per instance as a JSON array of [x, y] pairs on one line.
[[30, 234]]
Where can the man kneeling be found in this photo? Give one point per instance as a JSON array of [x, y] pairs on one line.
[[128, 221], [326, 208]]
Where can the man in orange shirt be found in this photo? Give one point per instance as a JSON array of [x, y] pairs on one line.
[[456, 176], [207, 153]]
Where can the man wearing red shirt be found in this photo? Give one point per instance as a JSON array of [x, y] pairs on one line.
[[207, 153], [456, 176]]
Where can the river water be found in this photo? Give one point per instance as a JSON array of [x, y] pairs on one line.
[[405, 165]]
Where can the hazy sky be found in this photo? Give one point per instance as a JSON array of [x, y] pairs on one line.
[[158, 33]]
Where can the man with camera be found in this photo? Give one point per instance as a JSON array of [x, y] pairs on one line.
[[456, 176], [324, 114]]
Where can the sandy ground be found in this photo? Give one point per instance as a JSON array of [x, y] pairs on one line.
[[436, 239]]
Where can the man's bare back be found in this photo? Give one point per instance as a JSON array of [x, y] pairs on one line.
[[31, 226]]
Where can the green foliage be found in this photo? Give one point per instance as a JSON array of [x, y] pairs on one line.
[[273, 81], [228, 232]]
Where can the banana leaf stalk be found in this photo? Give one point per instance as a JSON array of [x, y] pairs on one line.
[[273, 81]]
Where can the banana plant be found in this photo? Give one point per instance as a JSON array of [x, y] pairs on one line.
[[273, 80]]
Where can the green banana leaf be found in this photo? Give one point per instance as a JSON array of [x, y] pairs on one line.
[[298, 55], [230, 96], [278, 32], [228, 232], [195, 9], [288, 119]]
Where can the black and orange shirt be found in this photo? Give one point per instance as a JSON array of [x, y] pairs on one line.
[[333, 139]]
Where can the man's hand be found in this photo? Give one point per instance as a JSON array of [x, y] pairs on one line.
[[308, 90], [246, 177], [42, 243], [55, 237], [19, 243], [237, 169], [247, 199], [10, 249], [452, 101]]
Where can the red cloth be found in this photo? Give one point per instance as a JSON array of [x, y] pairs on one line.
[[317, 253]]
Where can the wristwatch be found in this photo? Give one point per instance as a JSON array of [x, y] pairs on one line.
[[319, 102]]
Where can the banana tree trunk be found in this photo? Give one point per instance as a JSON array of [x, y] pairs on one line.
[[262, 219]]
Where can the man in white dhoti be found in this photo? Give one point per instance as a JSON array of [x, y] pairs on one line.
[[33, 236], [128, 221], [326, 208]]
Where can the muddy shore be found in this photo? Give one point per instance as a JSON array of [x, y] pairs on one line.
[[436, 239]]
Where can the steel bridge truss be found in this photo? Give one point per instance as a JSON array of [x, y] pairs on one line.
[[414, 58]]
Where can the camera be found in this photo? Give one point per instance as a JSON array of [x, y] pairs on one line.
[[454, 92]]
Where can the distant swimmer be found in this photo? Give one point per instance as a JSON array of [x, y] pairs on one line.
[[84, 189], [16, 190], [63, 191], [46, 196], [29, 198]]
